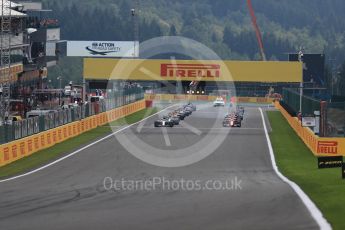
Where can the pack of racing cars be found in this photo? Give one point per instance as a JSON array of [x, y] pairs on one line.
[[234, 118], [174, 117]]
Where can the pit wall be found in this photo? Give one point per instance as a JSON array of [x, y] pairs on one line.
[[18, 149], [177, 97], [320, 146]]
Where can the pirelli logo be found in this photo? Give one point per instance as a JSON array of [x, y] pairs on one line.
[[327, 147], [190, 70]]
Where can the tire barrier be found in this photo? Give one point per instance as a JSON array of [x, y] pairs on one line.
[[26, 146]]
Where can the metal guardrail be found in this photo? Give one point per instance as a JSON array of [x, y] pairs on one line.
[[30, 126]]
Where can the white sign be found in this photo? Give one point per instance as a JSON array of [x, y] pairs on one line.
[[53, 34], [308, 122], [50, 49], [103, 48]]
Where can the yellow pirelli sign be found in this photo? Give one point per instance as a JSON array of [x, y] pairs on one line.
[[191, 70]]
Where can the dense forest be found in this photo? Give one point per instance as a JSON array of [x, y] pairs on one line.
[[222, 25]]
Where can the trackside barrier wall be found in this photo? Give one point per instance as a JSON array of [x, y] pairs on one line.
[[30, 126], [177, 97], [18, 149], [320, 146]]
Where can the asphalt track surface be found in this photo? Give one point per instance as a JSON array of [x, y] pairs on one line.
[[71, 194]]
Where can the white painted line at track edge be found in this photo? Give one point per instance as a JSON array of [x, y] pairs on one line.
[[313, 210], [81, 149]]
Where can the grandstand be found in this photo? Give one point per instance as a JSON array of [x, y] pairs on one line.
[[34, 41]]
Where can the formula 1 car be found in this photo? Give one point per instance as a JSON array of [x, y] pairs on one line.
[[180, 114], [164, 123], [190, 105], [185, 111], [188, 110], [173, 117], [232, 120], [240, 112]]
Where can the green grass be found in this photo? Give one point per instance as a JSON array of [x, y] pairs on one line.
[[324, 186], [47, 155]]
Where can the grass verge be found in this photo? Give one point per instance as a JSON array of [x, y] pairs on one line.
[[324, 186], [47, 155]]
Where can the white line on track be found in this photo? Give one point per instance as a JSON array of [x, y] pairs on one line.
[[166, 136], [313, 210], [191, 128], [81, 149]]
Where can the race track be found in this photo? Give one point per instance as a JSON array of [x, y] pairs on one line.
[[71, 194]]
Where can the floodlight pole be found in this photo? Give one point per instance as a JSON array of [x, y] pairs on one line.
[[300, 59], [135, 14]]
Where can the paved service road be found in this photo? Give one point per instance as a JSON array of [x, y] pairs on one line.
[[71, 194]]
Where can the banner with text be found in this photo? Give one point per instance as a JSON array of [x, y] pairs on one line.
[[103, 48]]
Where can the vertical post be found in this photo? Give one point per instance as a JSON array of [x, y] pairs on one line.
[[135, 14], [323, 114], [84, 91], [300, 59], [301, 97]]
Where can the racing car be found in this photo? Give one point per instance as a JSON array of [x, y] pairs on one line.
[[164, 123], [219, 102], [232, 120], [173, 117], [185, 111], [181, 114], [240, 112], [188, 110], [190, 105]]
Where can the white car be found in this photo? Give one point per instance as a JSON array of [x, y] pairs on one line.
[[219, 102]]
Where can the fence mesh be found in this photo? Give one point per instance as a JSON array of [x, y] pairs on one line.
[[291, 98], [336, 119], [30, 126]]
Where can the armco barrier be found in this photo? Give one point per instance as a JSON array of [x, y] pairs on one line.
[[320, 146], [18, 149]]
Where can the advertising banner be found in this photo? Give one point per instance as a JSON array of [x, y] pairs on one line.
[[330, 162], [103, 49], [308, 122], [15, 150], [191, 70]]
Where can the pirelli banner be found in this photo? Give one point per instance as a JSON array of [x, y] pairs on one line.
[[320, 146], [191, 70]]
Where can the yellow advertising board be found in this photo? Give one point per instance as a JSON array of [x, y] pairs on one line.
[[191, 70], [18, 149], [187, 97], [320, 146]]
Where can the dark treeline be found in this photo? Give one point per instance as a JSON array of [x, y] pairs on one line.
[[222, 25], [100, 24]]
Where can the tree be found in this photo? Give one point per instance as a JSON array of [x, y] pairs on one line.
[[341, 81], [173, 31]]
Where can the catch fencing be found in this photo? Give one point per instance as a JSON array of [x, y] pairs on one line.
[[56, 118], [291, 98]]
